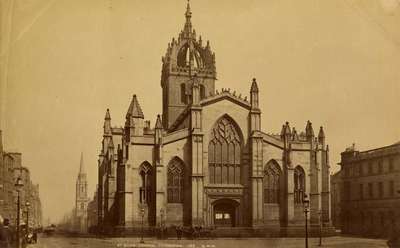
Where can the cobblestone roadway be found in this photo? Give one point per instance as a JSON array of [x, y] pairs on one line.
[[340, 242]]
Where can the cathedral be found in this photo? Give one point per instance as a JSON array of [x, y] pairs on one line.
[[206, 161]]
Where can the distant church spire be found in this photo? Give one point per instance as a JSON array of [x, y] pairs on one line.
[[81, 166], [1, 142], [81, 200]]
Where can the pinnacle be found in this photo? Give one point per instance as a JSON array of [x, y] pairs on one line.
[[158, 122], [321, 133], [107, 117], [134, 109], [188, 15], [254, 86]]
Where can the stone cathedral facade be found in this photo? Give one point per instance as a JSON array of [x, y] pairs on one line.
[[206, 161]]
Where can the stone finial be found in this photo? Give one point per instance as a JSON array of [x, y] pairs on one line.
[[107, 117], [107, 123], [283, 131], [309, 131], [295, 135], [254, 86], [287, 129], [158, 122], [321, 133]]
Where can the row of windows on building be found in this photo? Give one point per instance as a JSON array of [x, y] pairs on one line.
[[369, 220], [176, 185], [369, 168], [224, 165], [371, 190]]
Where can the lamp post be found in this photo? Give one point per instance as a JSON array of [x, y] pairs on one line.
[[141, 236], [320, 227], [27, 205], [161, 223], [306, 203], [18, 185]]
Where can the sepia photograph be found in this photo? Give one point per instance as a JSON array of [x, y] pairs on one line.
[[199, 123]]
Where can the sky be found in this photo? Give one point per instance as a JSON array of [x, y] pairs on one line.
[[64, 62]]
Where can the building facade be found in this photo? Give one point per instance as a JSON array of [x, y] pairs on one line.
[[336, 191], [92, 214], [81, 201], [10, 169], [207, 161], [370, 191]]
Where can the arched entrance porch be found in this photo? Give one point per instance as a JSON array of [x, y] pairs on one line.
[[225, 213]]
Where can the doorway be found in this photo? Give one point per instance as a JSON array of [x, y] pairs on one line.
[[225, 212]]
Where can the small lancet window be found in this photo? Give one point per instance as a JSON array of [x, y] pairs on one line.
[[183, 93]]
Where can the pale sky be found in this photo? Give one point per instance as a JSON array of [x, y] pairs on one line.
[[336, 63]]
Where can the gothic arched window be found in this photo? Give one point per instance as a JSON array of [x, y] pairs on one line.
[[183, 93], [175, 181], [145, 188], [299, 184], [224, 152], [272, 175]]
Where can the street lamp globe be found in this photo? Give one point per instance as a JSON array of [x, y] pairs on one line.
[[27, 204], [142, 212], [19, 184], [306, 202]]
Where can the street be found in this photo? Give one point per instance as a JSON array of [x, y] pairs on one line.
[[342, 242]]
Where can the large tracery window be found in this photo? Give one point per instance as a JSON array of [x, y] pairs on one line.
[[299, 184], [175, 181], [145, 188], [272, 175], [224, 151]]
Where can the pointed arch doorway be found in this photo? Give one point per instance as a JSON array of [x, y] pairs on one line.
[[225, 213]]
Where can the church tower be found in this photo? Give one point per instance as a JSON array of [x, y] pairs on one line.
[[81, 200], [186, 58]]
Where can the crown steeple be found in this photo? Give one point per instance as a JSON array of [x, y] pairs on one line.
[[186, 57]]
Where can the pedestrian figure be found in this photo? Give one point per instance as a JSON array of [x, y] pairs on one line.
[[5, 234], [178, 230], [34, 236]]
